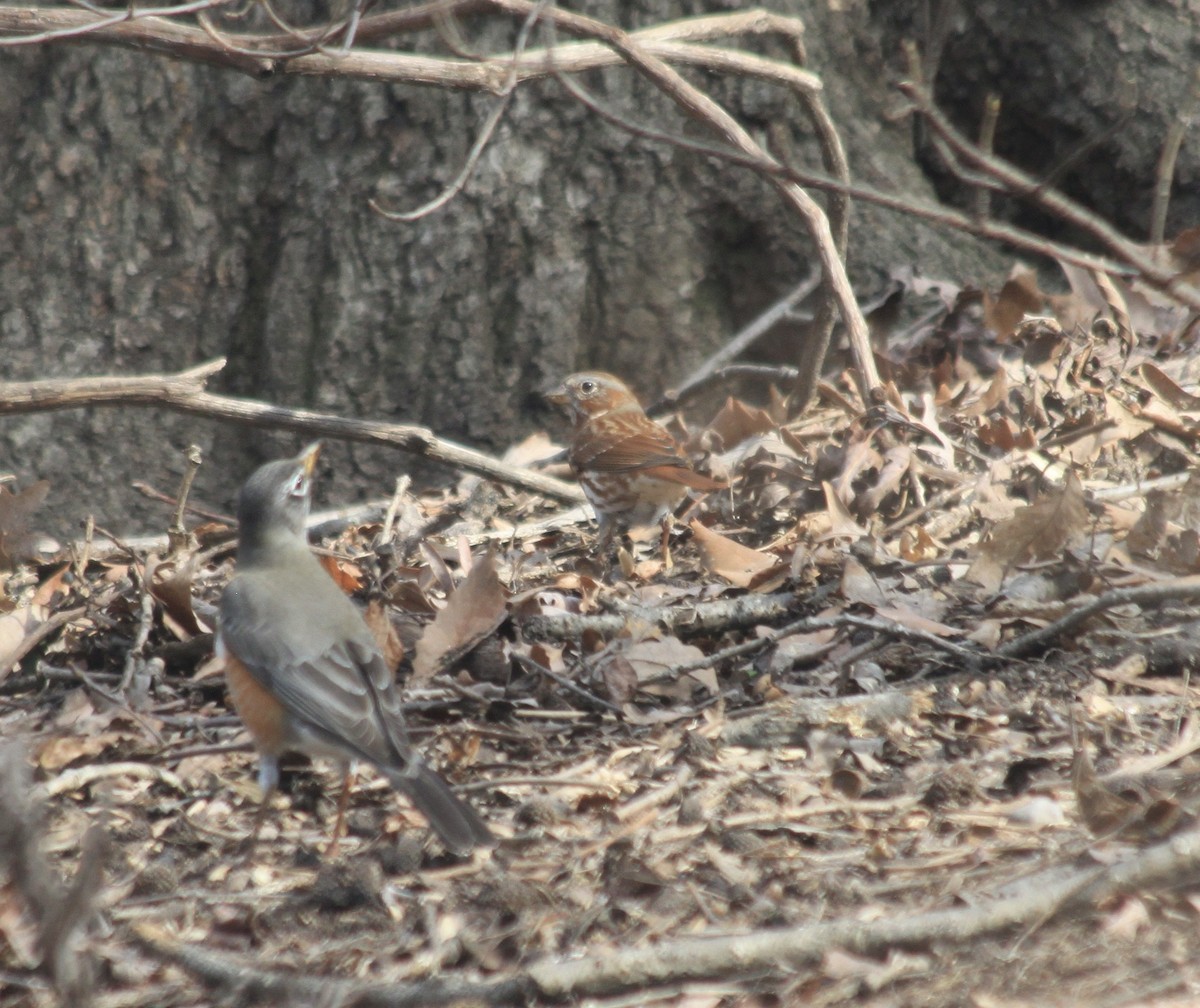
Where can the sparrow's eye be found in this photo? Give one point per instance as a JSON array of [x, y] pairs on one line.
[[587, 387], [299, 486]]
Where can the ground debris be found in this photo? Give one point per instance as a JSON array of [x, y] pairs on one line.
[[922, 678]]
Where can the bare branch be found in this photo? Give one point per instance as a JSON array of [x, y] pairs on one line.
[[1183, 589], [701, 107], [739, 344], [1016, 182], [255, 55], [184, 393], [692, 619], [485, 135], [1166, 161]]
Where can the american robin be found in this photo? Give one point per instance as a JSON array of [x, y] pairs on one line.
[[302, 667]]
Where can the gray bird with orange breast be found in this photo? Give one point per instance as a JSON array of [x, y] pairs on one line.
[[303, 668]]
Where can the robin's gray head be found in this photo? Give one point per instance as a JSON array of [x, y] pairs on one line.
[[275, 500]]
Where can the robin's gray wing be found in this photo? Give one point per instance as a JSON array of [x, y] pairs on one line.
[[313, 651], [310, 647]]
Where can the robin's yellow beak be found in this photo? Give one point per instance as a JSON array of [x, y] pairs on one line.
[[308, 457]]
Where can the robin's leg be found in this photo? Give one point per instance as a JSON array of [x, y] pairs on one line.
[[343, 800], [268, 783], [666, 540]]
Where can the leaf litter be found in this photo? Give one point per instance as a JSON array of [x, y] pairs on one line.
[[658, 760]]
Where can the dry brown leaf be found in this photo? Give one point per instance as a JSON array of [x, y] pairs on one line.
[[1169, 529], [407, 595], [16, 535], [17, 929], [895, 464], [841, 522], [860, 585], [655, 657], [857, 457], [1129, 919], [1020, 296], [473, 611], [917, 544], [905, 617], [54, 587], [1039, 531], [739, 565], [736, 422], [1086, 301], [535, 448], [15, 625], [1103, 811], [386, 638], [63, 750], [620, 679], [170, 582], [1167, 389]]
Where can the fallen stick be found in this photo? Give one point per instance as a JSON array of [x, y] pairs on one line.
[[692, 619], [769, 951], [184, 392], [1182, 589]]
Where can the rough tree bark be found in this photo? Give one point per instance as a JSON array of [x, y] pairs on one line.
[[160, 214], [1087, 90]]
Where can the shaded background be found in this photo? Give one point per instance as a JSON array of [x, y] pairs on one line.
[[157, 214]]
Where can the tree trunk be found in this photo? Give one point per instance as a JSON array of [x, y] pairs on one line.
[[162, 213]]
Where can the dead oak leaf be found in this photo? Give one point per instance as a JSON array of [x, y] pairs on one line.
[[1038, 531], [170, 582], [473, 611], [738, 422], [653, 660], [739, 565]]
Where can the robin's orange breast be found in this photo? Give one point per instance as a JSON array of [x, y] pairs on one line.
[[263, 715]]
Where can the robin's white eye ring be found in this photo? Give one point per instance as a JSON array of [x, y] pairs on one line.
[[299, 486]]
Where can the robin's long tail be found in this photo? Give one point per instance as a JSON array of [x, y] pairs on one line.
[[452, 819]]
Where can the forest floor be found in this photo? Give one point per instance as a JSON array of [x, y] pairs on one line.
[[909, 721]]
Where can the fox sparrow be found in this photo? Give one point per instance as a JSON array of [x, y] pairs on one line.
[[630, 468]]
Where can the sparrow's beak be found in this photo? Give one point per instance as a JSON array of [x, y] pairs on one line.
[[308, 457], [559, 396]]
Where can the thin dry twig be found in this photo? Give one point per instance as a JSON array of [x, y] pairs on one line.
[[1165, 171], [1184, 589], [36, 636], [485, 134], [883, 627], [987, 141], [163, 36], [177, 535], [737, 345]]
